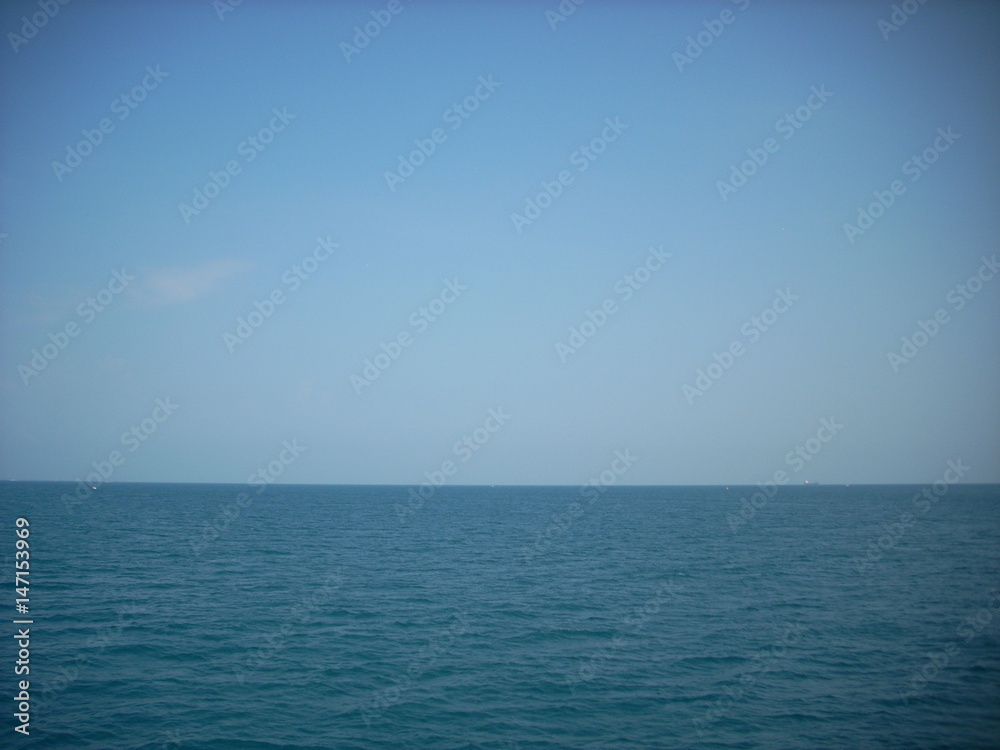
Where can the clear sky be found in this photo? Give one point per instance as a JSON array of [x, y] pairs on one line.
[[665, 121]]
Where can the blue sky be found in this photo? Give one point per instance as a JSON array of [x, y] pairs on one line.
[[347, 123]]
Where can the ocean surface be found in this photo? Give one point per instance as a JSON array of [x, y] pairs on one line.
[[214, 616]]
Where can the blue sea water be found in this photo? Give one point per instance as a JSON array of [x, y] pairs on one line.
[[507, 618]]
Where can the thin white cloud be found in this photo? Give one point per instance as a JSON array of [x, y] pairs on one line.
[[170, 286]]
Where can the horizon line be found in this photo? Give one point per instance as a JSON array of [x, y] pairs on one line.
[[442, 486]]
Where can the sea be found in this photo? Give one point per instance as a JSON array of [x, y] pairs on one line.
[[267, 617]]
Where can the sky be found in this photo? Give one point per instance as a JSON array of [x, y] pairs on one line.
[[499, 242]]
